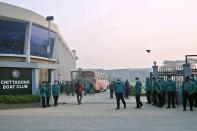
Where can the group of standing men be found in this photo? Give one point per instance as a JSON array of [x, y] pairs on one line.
[[126, 87], [69, 87], [122, 89], [47, 90], [157, 89]]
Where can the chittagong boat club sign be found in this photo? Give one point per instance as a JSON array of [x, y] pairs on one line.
[[15, 81]]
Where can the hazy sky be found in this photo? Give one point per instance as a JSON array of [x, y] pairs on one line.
[[115, 33]]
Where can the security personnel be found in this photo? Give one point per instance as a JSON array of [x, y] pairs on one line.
[[188, 89], [195, 94], [119, 91], [148, 89], [127, 89], [111, 89], [164, 92], [195, 91], [48, 93], [79, 90], [171, 90], [154, 91], [138, 86], [73, 87], [43, 94], [160, 91], [56, 92]]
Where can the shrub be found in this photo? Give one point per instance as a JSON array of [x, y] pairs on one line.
[[132, 91], [10, 99]]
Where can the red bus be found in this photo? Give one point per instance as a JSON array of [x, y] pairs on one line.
[[99, 80]]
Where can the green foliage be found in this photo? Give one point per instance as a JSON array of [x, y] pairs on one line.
[[10, 99], [131, 91]]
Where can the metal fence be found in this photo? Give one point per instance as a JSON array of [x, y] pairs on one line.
[[176, 73]]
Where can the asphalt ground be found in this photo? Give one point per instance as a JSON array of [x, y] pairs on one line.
[[97, 113]]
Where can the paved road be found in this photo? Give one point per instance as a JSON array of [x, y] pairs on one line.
[[97, 113]]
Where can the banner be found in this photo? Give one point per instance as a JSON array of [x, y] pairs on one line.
[[15, 81]]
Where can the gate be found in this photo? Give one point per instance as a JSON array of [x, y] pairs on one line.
[[176, 73]]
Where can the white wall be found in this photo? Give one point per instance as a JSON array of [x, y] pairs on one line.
[[67, 62]]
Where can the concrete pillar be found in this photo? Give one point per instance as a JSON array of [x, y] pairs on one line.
[[186, 70], [35, 81], [155, 70], [28, 41], [51, 75]]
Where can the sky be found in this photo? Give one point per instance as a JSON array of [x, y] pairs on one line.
[[114, 34]]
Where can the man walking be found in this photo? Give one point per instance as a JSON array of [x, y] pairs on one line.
[[79, 89], [138, 87], [119, 91], [111, 89]]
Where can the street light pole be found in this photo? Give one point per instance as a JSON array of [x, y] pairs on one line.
[[49, 19]]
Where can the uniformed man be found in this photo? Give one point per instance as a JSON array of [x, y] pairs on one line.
[[138, 87], [62, 86], [127, 89], [171, 90], [119, 91], [91, 87], [48, 93], [56, 92], [160, 91], [154, 91], [79, 90], [194, 80], [43, 94], [111, 89], [73, 87], [148, 89], [164, 92], [188, 89]]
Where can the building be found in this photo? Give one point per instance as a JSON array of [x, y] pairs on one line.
[[26, 55], [125, 74]]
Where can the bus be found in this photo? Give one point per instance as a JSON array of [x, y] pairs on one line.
[[99, 80]]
